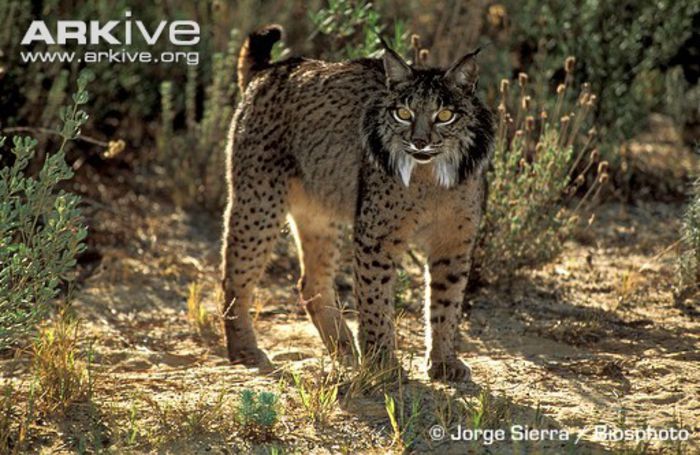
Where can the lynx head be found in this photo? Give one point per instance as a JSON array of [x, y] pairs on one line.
[[429, 117]]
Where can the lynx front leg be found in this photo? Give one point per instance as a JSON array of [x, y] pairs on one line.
[[374, 287], [449, 265], [377, 243]]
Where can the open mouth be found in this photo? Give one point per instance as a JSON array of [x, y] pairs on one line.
[[423, 157]]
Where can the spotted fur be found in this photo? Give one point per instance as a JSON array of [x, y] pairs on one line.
[[320, 143]]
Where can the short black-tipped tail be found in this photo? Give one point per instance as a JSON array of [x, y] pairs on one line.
[[255, 53]]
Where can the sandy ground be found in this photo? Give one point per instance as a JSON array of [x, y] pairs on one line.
[[593, 338]]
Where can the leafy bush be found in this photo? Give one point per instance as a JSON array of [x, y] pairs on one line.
[[689, 260], [352, 30], [257, 413], [193, 157], [683, 105], [126, 101], [624, 48], [542, 159], [41, 230]]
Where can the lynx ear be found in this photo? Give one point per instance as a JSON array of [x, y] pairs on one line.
[[395, 68], [464, 72]]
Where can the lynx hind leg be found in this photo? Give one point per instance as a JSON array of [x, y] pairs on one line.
[[318, 244], [252, 223]]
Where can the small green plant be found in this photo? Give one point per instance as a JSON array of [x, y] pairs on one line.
[[257, 413], [134, 430], [542, 161], [184, 417], [15, 419], [41, 230], [486, 411], [275, 450], [403, 421], [200, 418], [689, 259], [318, 398]]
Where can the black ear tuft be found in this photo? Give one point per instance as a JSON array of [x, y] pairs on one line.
[[395, 68], [465, 72]]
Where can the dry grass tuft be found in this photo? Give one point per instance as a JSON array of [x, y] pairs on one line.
[[13, 425], [317, 396], [198, 316], [186, 417], [61, 369]]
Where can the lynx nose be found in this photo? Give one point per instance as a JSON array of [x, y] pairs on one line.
[[420, 143]]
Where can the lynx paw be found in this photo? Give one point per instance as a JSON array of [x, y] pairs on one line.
[[451, 370], [251, 357], [385, 368], [345, 353]]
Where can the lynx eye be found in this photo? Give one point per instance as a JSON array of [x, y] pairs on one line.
[[402, 114], [445, 116]]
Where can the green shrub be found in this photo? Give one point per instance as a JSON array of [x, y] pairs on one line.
[[126, 100], [41, 230], [193, 156], [257, 413], [542, 160], [623, 48], [689, 259], [317, 397], [683, 105], [351, 29]]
